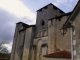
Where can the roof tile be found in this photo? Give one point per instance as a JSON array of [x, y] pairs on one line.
[[61, 54]]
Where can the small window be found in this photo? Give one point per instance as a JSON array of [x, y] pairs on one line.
[[45, 33], [37, 34], [40, 34], [42, 23]]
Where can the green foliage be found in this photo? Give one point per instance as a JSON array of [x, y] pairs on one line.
[[3, 55], [4, 51]]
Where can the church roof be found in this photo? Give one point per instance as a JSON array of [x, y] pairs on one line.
[[53, 7], [58, 17], [61, 54], [25, 26]]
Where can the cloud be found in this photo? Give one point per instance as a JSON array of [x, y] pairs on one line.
[[7, 26], [63, 2], [7, 30], [9, 46], [11, 12], [17, 8], [65, 5]]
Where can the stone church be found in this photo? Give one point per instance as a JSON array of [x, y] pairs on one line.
[[56, 36]]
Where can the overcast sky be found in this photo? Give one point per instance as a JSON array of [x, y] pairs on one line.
[[13, 11]]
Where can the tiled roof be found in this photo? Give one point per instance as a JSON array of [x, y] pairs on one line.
[[61, 54]]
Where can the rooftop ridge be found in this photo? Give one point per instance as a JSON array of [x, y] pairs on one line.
[[61, 15], [53, 6]]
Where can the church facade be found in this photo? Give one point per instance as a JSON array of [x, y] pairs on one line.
[[55, 33]]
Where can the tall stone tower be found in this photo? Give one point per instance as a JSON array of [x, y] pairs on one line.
[[22, 42], [47, 12], [41, 34]]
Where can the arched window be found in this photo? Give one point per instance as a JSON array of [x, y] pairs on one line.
[[42, 23], [40, 33], [37, 35], [45, 33]]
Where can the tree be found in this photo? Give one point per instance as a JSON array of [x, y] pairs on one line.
[[3, 49]]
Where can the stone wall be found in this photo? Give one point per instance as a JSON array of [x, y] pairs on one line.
[[27, 53], [63, 38], [56, 39], [18, 41], [76, 36], [40, 48]]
